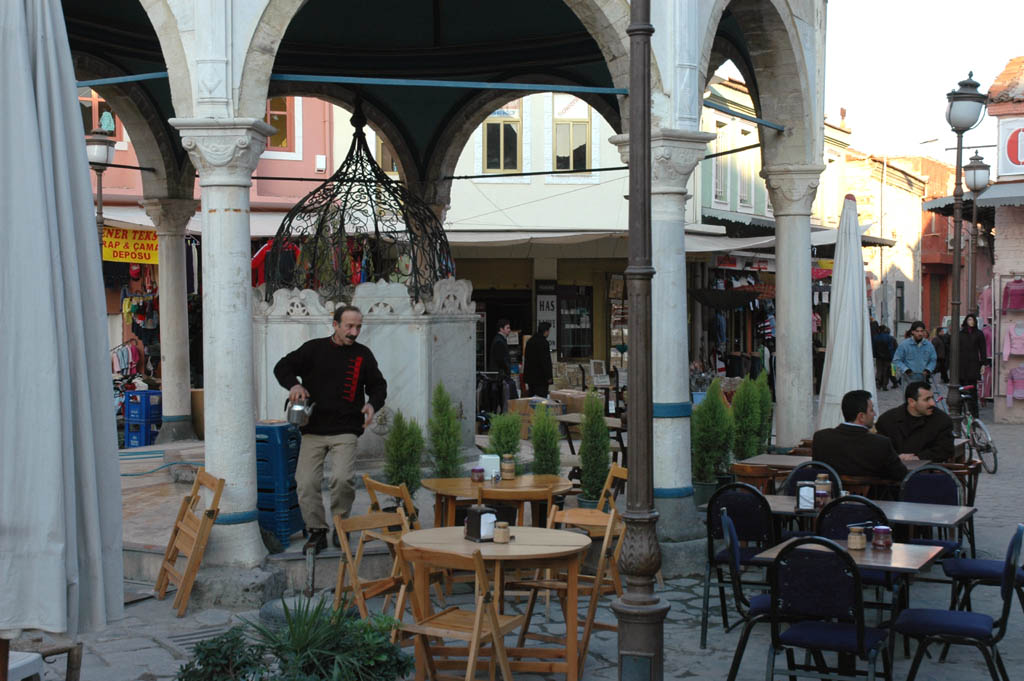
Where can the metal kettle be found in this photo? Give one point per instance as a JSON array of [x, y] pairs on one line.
[[298, 412]]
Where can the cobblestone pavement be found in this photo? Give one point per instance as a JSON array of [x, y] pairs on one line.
[[151, 644]]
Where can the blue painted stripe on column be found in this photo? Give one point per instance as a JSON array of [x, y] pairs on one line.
[[672, 410], [237, 518], [672, 492], [175, 419]]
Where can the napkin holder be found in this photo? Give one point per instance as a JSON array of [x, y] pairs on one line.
[[805, 497], [480, 523], [491, 463]]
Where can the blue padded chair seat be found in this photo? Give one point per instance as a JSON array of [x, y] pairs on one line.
[[747, 553], [931, 622], [838, 636], [760, 605], [949, 546], [977, 568]]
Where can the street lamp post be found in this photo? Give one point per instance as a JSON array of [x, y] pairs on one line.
[[963, 112], [99, 146], [976, 179]]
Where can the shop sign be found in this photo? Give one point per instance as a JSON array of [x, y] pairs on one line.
[[1011, 147], [130, 245], [547, 308], [727, 262]]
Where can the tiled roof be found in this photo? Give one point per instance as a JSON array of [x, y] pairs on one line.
[[1009, 86]]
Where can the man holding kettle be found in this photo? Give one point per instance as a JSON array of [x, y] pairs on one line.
[[341, 378]]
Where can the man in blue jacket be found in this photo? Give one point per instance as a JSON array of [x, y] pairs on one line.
[[915, 357]]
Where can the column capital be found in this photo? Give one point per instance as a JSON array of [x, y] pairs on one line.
[[170, 216], [674, 155], [225, 151], [792, 187]]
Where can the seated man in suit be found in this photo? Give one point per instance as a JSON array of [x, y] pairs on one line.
[[852, 449], [917, 427]]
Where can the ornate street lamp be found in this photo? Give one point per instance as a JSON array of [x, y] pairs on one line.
[[976, 178], [963, 112], [99, 146]]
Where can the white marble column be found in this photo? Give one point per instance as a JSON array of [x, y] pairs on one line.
[[170, 217], [674, 155], [225, 152], [792, 189]]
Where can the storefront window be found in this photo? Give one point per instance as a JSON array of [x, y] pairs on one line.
[[575, 322], [618, 323]]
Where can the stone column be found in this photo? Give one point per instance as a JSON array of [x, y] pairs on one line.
[[792, 189], [170, 217], [225, 152], [674, 155]]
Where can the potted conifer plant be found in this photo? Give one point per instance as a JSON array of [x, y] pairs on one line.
[[765, 398], [594, 451], [545, 440], [746, 412], [711, 434], [403, 453], [445, 438]]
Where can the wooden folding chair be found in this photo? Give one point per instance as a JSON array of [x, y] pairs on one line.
[[603, 581], [617, 476], [761, 477], [381, 523], [188, 538], [482, 627]]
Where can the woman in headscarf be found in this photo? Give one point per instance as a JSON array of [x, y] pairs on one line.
[[973, 356]]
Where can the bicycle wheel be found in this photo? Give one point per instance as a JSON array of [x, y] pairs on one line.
[[982, 443]]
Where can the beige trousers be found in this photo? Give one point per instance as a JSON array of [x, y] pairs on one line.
[[309, 474]]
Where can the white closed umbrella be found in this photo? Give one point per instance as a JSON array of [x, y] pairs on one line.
[[60, 492], [849, 364]]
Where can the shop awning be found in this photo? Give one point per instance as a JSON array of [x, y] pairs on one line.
[[1003, 194], [496, 238]]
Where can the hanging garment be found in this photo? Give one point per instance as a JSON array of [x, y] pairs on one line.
[[1014, 385], [985, 305], [1013, 295], [1013, 341], [986, 372]]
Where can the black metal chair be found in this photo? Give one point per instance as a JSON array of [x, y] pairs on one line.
[[809, 470], [958, 627], [817, 606], [751, 611], [752, 517], [931, 484]]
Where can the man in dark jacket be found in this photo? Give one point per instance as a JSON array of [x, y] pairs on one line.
[[941, 342], [917, 427], [337, 375], [883, 345], [498, 358], [852, 449], [537, 370]]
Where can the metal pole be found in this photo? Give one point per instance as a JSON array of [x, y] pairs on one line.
[[972, 284], [99, 205], [953, 397], [640, 612]]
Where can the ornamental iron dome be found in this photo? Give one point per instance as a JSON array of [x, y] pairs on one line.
[[359, 226]]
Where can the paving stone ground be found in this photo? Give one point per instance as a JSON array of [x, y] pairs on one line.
[[151, 643]]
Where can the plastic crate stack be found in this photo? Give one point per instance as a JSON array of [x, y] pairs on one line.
[[277, 455], [143, 412]]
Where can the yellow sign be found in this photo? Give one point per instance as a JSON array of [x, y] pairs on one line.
[[826, 264], [130, 245]]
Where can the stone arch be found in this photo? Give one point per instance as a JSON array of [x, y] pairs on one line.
[[154, 144], [447, 147], [774, 62], [377, 118], [604, 20], [165, 24]]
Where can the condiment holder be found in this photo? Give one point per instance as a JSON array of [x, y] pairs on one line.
[[476, 474], [881, 537], [502, 532], [856, 540], [508, 467]]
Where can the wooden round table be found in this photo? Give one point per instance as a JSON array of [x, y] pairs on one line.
[[447, 490], [531, 547]]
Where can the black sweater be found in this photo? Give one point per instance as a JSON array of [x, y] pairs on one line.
[[337, 377], [930, 437]]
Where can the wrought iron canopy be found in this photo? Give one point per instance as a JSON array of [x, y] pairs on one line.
[[359, 226]]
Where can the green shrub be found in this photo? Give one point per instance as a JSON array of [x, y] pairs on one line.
[[504, 434], [746, 412], [227, 657], [545, 440], [765, 398], [404, 451], [711, 434], [445, 438], [594, 447]]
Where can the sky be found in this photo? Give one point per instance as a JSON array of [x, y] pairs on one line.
[[890, 63]]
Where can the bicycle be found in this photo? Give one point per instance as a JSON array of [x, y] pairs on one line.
[[976, 432]]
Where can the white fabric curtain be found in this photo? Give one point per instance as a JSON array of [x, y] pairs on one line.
[[60, 500], [849, 364]]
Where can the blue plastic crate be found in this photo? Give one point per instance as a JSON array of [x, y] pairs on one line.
[[140, 433], [277, 455], [282, 521], [143, 405]]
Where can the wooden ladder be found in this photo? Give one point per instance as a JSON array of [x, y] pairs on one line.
[[188, 538]]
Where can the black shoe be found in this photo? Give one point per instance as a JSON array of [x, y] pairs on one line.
[[317, 541]]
